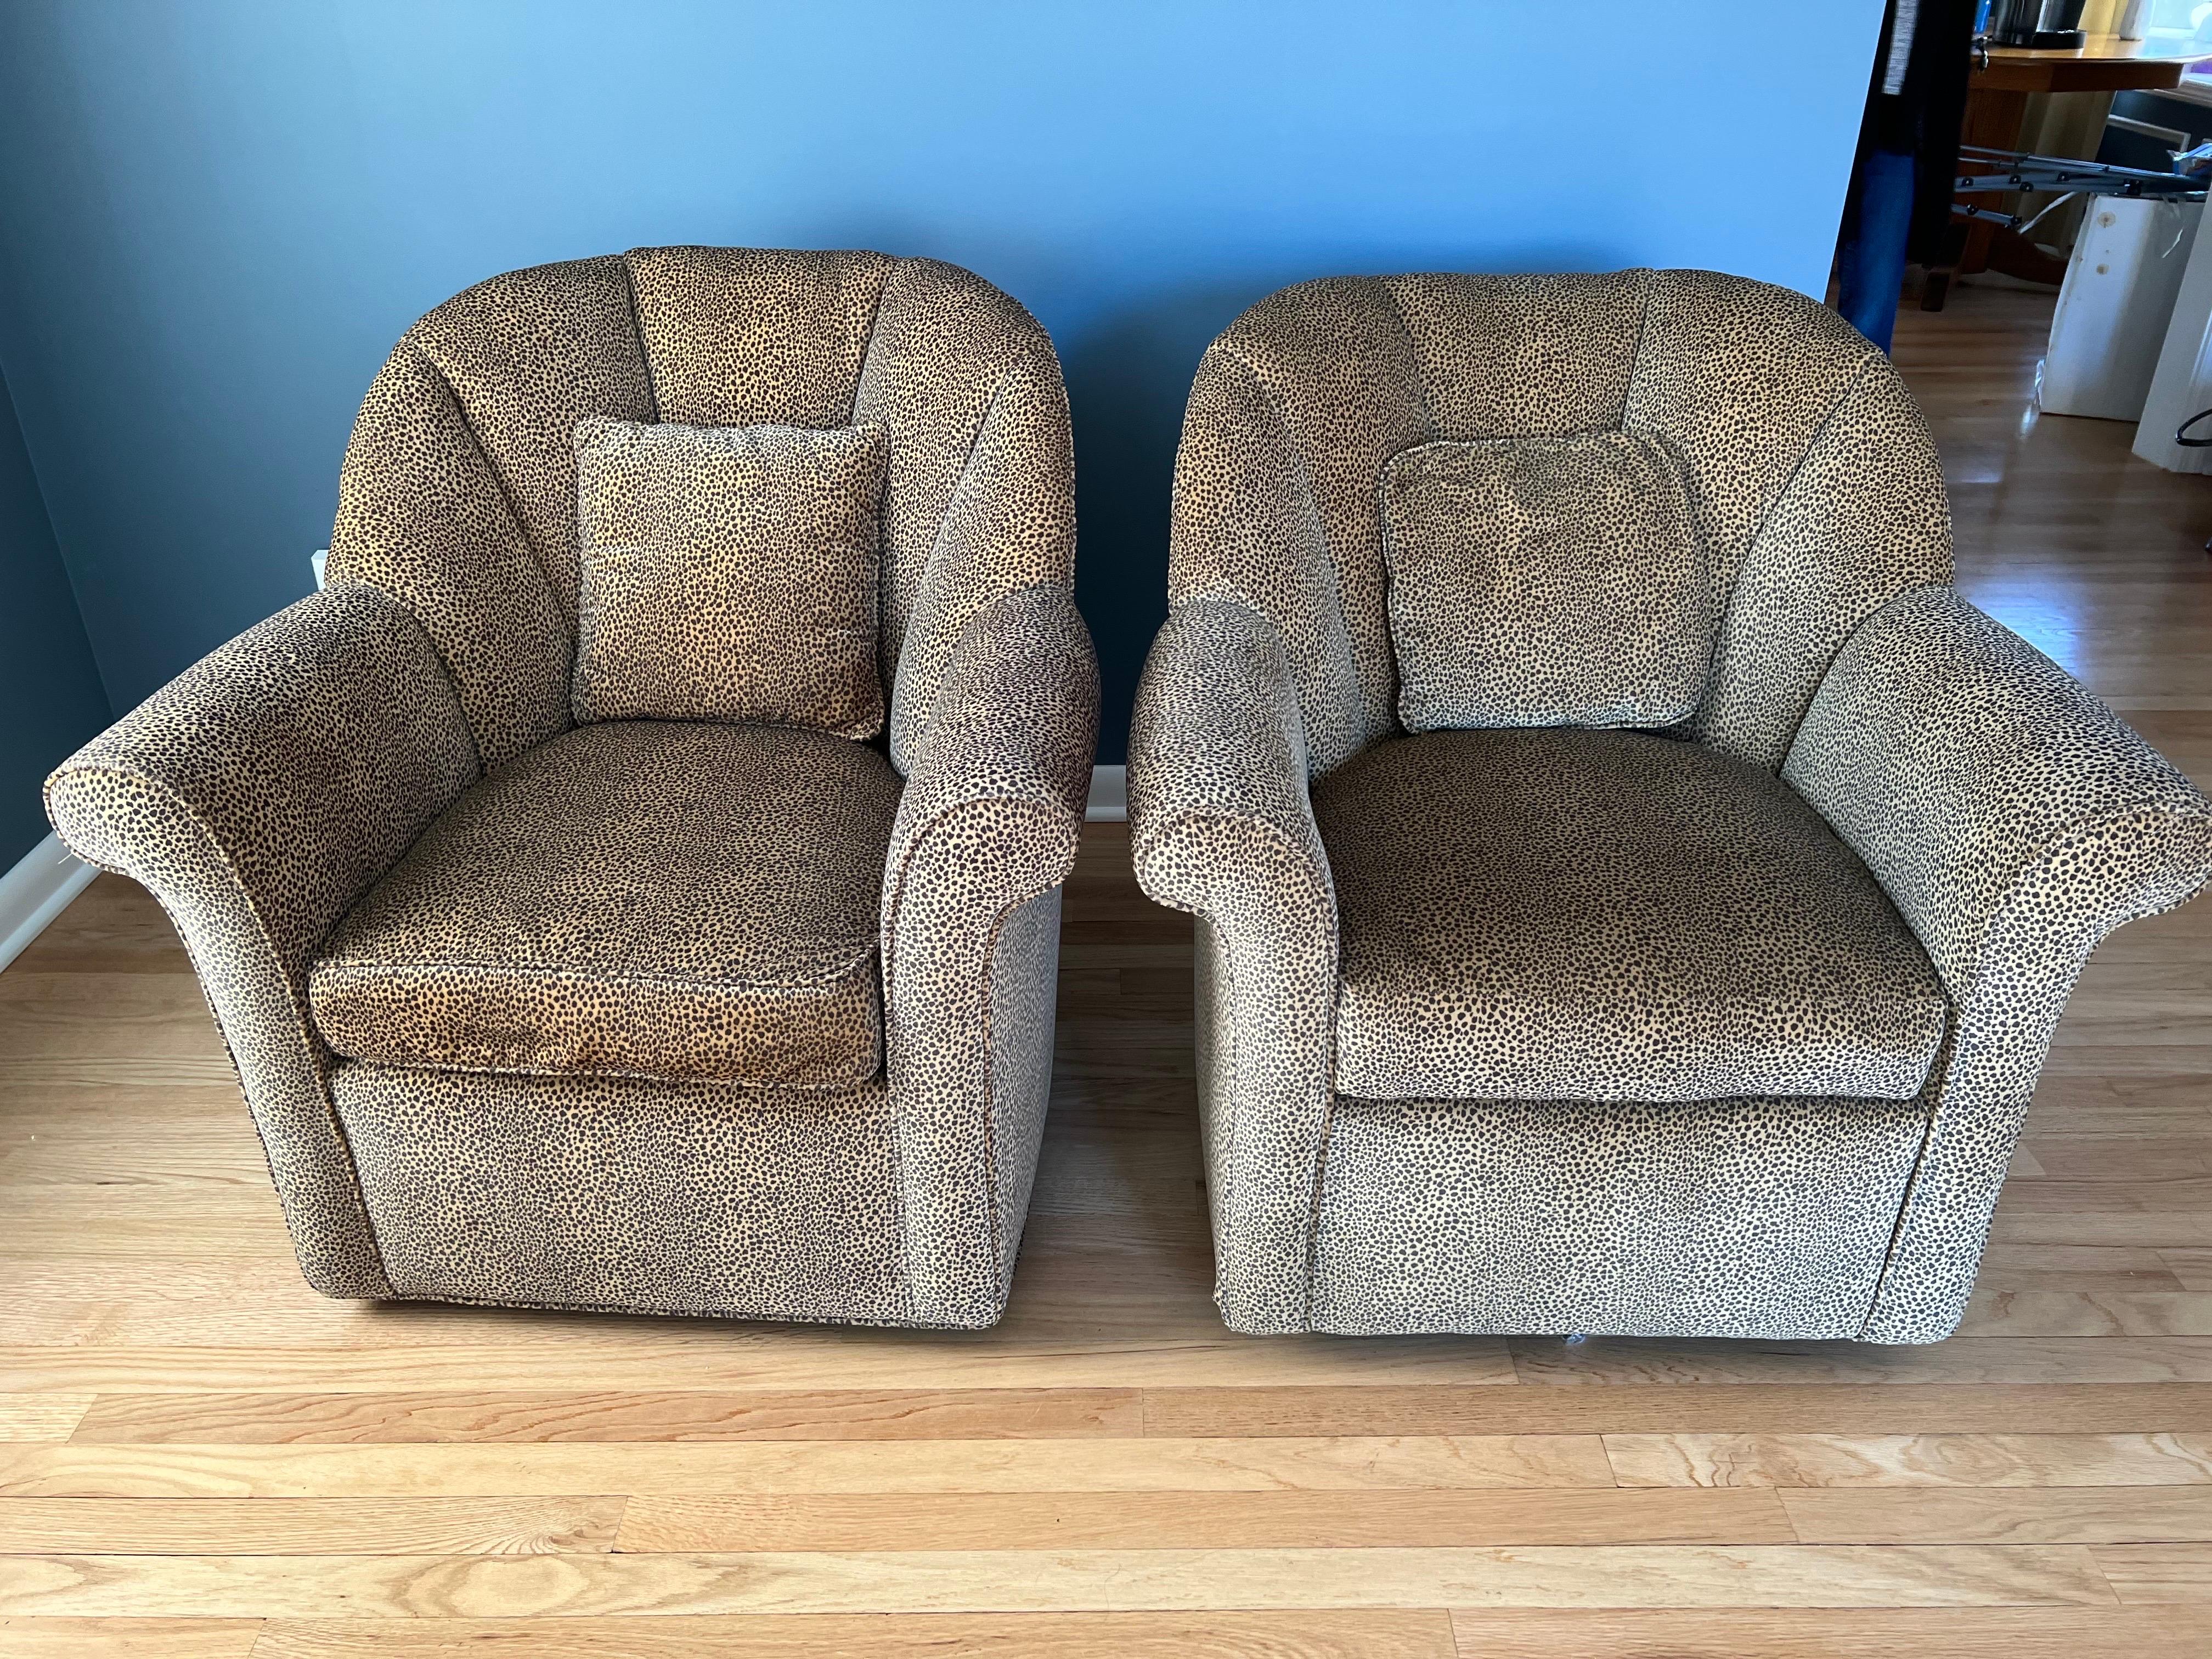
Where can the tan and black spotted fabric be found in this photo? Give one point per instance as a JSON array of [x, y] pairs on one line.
[[644, 898], [1561, 915], [986, 831], [769, 1029], [729, 574], [2016, 821], [1544, 581], [1221, 824], [458, 494], [1757, 1218], [259, 794], [1741, 1095], [677, 1198]]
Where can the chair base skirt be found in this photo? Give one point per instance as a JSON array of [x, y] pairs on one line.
[[1767, 1218], [611, 1195]]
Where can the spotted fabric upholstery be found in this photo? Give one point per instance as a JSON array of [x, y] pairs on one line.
[[661, 1131], [704, 1198], [1560, 914], [1816, 489], [1221, 824], [2016, 821], [458, 494], [259, 794], [729, 574], [1544, 581], [647, 899], [1773, 1115], [987, 832], [1763, 1218]]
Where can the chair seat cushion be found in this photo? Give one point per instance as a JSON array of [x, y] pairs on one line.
[[1564, 914], [633, 899]]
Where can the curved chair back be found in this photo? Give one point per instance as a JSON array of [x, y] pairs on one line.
[[1813, 480], [459, 493]]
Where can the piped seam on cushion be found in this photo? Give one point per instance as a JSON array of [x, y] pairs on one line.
[[1635, 356], [822, 983], [777, 1085], [1931, 1095]]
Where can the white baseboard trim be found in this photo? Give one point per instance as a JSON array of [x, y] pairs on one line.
[[38, 889], [1109, 794]]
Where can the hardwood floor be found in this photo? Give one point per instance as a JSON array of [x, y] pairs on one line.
[[201, 1459]]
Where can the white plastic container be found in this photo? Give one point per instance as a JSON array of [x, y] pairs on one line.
[[2113, 308], [2183, 385]]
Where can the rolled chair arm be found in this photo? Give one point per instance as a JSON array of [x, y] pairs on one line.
[[2015, 820], [989, 824], [258, 795], [1220, 824]]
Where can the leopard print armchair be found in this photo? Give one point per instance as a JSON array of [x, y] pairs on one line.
[[661, 1015], [1717, 1017]]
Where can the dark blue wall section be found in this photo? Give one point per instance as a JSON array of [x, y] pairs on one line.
[[51, 698], [220, 213]]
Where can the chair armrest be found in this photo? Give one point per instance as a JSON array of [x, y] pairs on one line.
[[990, 820], [1010, 740], [2015, 820], [1220, 824], [1216, 741], [258, 794], [2008, 812]]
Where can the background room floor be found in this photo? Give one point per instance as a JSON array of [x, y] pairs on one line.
[[200, 1458]]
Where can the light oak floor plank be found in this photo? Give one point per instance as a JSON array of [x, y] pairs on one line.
[[1309, 1634], [307, 1526], [1807, 1408], [2084, 1267], [1602, 1360], [2047, 1515], [1311, 1411], [545, 1417], [718, 1467], [1887, 1633], [2147, 1575], [2088, 1313], [1180, 1520], [566, 1586], [41, 1416], [2192, 1268], [751, 1356], [129, 1638], [1909, 1459]]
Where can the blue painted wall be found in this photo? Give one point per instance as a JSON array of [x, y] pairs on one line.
[[51, 698], [220, 213]]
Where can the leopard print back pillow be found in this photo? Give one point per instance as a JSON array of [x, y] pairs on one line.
[[1545, 581], [729, 574]]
